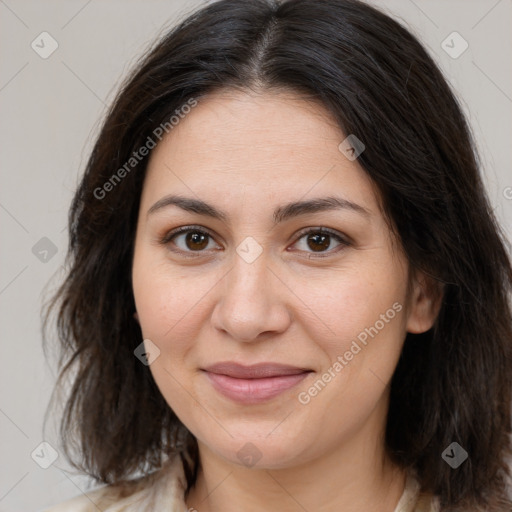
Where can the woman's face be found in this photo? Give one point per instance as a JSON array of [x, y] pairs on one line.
[[323, 316]]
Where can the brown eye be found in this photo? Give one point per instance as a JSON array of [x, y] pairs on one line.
[[188, 240], [321, 240], [318, 242], [196, 241]]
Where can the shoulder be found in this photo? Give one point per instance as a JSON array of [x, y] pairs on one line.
[[413, 500], [161, 490]]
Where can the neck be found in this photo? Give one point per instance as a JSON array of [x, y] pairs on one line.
[[356, 476]]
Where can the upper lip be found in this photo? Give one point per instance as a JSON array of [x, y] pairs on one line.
[[255, 371]]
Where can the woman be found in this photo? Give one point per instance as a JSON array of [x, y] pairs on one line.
[[287, 290]]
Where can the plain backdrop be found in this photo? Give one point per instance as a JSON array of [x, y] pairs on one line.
[[51, 109]]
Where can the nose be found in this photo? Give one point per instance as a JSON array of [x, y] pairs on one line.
[[252, 301]]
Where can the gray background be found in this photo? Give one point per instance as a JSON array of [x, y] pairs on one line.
[[50, 112]]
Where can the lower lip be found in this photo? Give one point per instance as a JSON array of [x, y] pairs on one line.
[[254, 391]]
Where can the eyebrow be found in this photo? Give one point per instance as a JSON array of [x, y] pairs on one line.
[[281, 213]]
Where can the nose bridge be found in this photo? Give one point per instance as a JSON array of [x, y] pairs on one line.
[[249, 304], [249, 279]]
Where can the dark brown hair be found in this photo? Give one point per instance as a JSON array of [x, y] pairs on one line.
[[452, 383]]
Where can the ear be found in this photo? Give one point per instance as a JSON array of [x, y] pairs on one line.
[[425, 301]]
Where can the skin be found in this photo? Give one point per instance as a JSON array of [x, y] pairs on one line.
[[247, 153]]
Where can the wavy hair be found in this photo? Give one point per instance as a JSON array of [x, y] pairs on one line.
[[452, 383]]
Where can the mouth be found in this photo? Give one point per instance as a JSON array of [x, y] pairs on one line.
[[256, 383]]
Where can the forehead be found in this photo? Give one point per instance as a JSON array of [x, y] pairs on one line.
[[273, 143]]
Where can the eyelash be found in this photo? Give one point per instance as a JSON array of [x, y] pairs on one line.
[[344, 242]]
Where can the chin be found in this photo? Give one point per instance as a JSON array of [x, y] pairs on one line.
[[256, 449]]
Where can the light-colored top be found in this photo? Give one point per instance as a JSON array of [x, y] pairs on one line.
[[165, 490]]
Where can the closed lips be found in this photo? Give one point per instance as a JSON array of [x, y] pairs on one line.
[[257, 371], [253, 384]]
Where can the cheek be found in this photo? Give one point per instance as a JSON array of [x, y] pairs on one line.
[[364, 313], [170, 306], [171, 310], [351, 304]]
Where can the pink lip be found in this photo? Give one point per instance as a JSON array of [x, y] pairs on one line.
[[256, 383]]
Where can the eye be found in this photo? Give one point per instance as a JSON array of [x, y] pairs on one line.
[[188, 239], [317, 242], [320, 240]]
